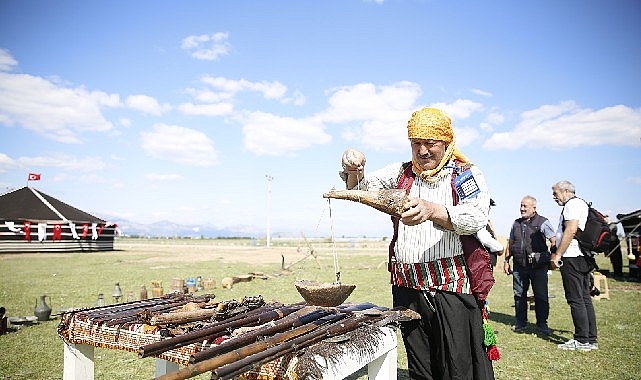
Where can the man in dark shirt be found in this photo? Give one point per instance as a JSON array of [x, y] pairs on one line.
[[527, 243]]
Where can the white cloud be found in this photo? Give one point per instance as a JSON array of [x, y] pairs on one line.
[[219, 100], [7, 62], [230, 87], [215, 109], [491, 120], [179, 144], [6, 163], [65, 162], [376, 116], [465, 136], [163, 177], [366, 101], [495, 118], [566, 125], [635, 180], [460, 109], [146, 104], [58, 113], [207, 47], [268, 134], [208, 96], [297, 99], [481, 92]]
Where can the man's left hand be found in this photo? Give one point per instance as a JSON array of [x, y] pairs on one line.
[[416, 212]]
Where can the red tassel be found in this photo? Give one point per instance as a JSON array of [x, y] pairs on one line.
[[493, 353]]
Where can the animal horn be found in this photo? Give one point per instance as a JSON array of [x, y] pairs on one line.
[[389, 201]]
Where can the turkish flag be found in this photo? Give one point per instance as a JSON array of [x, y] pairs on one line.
[[33, 177]]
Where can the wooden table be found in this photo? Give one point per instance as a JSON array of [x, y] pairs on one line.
[[380, 358]]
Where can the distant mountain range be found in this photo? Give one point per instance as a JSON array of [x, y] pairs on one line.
[[169, 229]]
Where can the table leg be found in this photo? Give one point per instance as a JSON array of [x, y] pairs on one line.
[[164, 367], [383, 367], [78, 362]]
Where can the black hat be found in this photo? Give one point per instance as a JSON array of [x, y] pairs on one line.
[[492, 203]]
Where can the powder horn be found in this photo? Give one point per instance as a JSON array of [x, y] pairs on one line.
[[389, 201]]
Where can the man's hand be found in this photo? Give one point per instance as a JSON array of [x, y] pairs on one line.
[[506, 268], [555, 261], [418, 210], [353, 163], [353, 160]]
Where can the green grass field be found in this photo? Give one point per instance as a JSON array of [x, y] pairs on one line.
[[75, 279]]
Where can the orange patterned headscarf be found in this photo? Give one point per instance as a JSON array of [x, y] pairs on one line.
[[434, 124]]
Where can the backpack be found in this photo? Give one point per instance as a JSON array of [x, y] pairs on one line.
[[596, 235]]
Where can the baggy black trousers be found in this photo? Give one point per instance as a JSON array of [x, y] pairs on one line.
[[447, 342]]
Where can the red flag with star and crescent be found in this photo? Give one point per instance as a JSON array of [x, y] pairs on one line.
[[33, 177]]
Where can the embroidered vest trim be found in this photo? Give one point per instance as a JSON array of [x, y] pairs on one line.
[[448, 274]]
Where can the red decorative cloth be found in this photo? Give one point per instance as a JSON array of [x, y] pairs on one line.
[[57, 232], [27, 231]]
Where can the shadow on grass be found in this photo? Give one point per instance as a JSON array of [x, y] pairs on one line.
[[402, 374], [557, 336]]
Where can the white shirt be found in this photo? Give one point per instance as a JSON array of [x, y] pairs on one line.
[[574, 209], [427, 241], [488, 241]]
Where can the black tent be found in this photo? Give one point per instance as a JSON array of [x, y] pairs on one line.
[[32, 221], [631, 224]]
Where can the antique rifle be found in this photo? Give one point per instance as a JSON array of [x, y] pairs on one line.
[[300, 317], [214, 330], [254, 348], [333, 330], [251, 362]]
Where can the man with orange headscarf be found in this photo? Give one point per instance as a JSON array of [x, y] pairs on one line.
[[448, 197]]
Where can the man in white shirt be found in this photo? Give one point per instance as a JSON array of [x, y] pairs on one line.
[[575, 268], [429, 272]]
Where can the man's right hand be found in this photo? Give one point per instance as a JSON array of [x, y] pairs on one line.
[[353, 162], [555, 261]]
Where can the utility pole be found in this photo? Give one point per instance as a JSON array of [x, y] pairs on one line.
[[269, 207]]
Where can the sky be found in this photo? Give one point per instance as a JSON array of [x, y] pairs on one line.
[[235, 114]]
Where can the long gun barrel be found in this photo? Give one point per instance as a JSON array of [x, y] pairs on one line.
[[235, 355], [296, 319], [212, 331]]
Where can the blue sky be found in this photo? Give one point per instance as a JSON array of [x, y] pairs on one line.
[[165, 110]]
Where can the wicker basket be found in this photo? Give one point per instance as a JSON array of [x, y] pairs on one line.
[[324, 293]]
